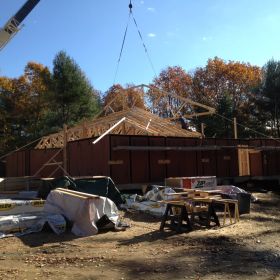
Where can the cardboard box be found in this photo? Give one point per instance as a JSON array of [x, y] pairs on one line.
[[207, 182]]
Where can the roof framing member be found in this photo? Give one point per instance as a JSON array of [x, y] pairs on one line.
[[135, 123]]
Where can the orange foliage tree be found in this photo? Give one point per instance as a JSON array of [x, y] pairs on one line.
[[38, 80], [173, 80], [23, 102], [232, 81], [218, 78], [118, 98]]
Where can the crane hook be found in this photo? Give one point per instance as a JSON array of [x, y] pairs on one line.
[[130, 6]]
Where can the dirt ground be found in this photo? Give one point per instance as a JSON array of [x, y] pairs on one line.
[[249, 249]]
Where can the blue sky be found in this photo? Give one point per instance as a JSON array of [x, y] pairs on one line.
[[176, 32]]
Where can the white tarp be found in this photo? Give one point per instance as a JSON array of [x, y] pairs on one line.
[[30, 222], [83, 210]]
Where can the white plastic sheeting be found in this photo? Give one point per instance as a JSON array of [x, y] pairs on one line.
[[151, 202], [17, 225], [83, 210]]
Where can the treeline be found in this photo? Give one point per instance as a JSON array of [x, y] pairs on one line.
[[40, 101]]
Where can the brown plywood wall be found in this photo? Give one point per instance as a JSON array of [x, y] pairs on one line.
[[158, 160], [127, 166], [206, 160], [119, 161], [87, 159], [39, 157], [271, 159], [227, 159], [16, 164]]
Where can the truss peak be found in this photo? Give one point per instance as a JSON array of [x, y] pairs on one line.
[[137, 122]]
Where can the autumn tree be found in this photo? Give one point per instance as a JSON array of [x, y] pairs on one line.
[[6, 106], [118, 98], [38, 80], [173, 80], [14, 101], [23, 104], [235, 79], [72, 96], [40, 102]]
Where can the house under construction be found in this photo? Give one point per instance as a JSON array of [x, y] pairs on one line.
[[135, 146]]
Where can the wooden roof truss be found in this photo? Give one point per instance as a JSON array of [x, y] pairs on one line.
[[137, 122], [153, 96]]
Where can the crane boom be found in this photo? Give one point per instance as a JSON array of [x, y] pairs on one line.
[[13, 25]]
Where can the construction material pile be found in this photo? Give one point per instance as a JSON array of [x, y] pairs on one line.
[[19, 217], [86, 214]]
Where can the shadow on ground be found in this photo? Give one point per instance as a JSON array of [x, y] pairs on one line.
[[46, 237], [203, 256], [141, 217]]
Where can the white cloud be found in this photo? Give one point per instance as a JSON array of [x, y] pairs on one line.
[[206, 38], [152, 35], [150, 9]]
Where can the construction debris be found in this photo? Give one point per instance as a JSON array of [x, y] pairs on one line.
[[151, 202], [18, 225], [229, 200]]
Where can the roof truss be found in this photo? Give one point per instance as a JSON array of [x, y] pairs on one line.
[[137, 122]]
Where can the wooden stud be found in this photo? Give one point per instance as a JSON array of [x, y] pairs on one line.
[[235, 128], [202, 130], [65, 149]]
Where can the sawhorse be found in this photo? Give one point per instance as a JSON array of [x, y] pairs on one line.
[[177, 214]]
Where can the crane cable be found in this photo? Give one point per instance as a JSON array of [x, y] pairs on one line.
[[248, 128], [153, 68], [130, 14], [143, 43], [123, 41]]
